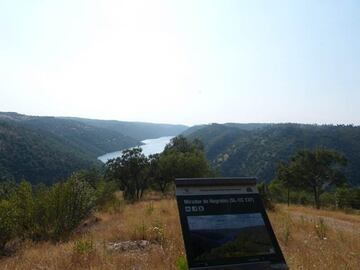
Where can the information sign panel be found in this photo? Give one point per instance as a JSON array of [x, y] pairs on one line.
[[225, 225]]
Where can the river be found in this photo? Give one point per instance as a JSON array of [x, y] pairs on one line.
[[149, 147]]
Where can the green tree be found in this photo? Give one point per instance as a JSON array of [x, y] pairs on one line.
[[131, 171], [160, 176], [183, 145], [8, 223], [23, 201], [315, 170], [285, 176], [181, 158]]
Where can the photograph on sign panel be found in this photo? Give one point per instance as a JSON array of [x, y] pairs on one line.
[[228, 236]]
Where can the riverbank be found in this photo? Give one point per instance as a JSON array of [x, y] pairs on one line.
[[149, 147]]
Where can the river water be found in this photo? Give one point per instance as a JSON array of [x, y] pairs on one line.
[[149, 147]]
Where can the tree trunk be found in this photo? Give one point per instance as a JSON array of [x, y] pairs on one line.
[[316, 198], [288, 196]]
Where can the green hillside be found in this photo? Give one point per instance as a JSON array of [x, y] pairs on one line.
[[45, 149], [37, 156], [136, 130], [257, 151]]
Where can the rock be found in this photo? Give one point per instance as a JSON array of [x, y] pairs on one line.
[[129, 245]]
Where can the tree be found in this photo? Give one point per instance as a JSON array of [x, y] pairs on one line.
[[160, 178], [285, 177], [131, 171], [183, 145], [181, 158], [315, 171]]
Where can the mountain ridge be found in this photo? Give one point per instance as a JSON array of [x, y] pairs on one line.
[[257, 152]]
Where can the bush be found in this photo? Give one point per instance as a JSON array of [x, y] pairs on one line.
[[23, 201], [8, 223], [347, 197], [105, 193], [328, 199], [278, 192], [301, 197], [50, 213], [69, 204]]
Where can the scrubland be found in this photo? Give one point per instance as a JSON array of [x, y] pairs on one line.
[[309, 238]]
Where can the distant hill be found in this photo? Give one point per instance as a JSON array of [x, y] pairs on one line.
[[93, 141], [47, 149], [136, 130], [27, 153], [249, 126], [257, 151]]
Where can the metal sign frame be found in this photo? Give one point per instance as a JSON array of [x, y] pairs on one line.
[[204, 198]]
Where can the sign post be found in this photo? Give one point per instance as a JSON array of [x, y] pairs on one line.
[[225, 225]]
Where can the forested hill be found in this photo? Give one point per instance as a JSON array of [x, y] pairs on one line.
[[46, 149], [136, 130], [257, 150], [248, 126], [27, 153]]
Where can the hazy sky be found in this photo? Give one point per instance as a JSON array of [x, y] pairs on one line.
[[182, 61]]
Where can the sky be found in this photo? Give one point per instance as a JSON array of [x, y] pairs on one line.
[[184, 62]]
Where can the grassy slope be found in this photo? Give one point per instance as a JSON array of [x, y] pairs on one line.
[[158, 221]]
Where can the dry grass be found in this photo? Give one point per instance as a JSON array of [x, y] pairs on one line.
[[313, 239], [307, 242]]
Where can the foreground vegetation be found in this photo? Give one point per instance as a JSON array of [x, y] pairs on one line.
[[41, 213], [309, 238]]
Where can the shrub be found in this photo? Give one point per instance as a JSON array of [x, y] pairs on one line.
[[8, 223], [328, 199], [105, 193], [23, 201], [347, 197], [69, 203]]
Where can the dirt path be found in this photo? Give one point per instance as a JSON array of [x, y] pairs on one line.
[[335, 223]]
